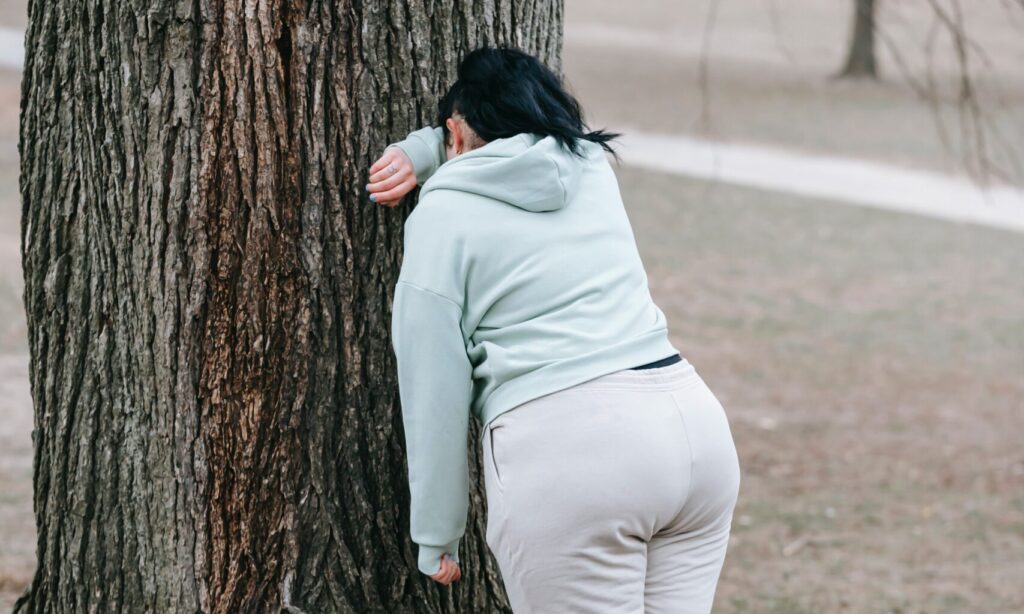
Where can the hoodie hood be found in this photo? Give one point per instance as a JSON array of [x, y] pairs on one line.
[[528, 170]]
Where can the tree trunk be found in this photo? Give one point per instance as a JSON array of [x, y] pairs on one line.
[[860, 62], [208, 294]]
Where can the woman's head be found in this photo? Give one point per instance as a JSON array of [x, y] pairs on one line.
[[503, 91]]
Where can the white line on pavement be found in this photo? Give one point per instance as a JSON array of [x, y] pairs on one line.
[[837, 179], [12, 48]]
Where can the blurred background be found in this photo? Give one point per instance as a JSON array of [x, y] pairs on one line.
[[825, 259]]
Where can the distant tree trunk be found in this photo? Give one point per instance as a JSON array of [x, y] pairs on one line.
[[860, 61], [208, 294]]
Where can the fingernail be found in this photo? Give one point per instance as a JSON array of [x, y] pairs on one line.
[[373, 197], [367, 186]]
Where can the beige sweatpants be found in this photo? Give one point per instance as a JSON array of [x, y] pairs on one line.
[[613, 496]]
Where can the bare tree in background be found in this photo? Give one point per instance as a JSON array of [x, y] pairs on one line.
[[986, 150], [860, 60], [208, 295], [986, 153]]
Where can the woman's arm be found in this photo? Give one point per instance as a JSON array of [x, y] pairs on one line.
[[435, 381], [435, 387], [425, 148], [414, 159]]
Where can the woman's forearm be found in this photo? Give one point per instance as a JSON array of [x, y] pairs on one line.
[[425, 148]]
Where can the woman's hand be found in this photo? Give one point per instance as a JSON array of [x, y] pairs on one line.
[[392, 176], [449, 571]]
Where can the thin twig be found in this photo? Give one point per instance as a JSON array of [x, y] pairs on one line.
[[773, 19], [703, 70]]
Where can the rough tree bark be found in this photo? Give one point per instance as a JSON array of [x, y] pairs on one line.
[[208, 293], [860, 60]]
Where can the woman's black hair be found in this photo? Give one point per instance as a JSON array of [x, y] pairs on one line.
[[502, 91]]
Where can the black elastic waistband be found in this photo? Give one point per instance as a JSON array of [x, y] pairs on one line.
[[660, 363]]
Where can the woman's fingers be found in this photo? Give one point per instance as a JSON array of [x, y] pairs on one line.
[[446, 573], [456, 571], [395, 194], [443, 571], [384, 180], [388, 156], [449, 571], [387, 187], [392, 156]]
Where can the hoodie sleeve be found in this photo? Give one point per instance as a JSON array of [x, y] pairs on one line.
[[425, 147], [435, 389]]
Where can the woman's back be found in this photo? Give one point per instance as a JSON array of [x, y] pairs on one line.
[[532, 244]]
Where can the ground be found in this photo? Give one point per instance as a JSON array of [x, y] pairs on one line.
[[871, 363]]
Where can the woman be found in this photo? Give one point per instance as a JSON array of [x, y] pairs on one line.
[[610, 470]]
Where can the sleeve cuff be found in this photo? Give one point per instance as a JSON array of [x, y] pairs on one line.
[[430, 556], [424, 149]]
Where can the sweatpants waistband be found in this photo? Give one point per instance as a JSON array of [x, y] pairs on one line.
[[664, 362], [674, 375]]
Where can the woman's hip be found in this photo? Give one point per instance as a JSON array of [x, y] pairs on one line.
[[618, 446]]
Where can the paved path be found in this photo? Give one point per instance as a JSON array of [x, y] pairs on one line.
[[841, 180], [12, 48]]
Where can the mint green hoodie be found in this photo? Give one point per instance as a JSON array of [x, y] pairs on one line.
[[520, 277]]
